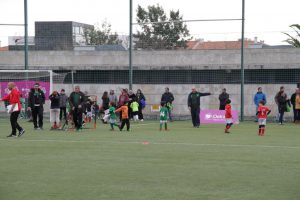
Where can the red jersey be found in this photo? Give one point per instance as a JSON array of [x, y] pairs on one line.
[[262, 112], [13, 97], [228, 113]]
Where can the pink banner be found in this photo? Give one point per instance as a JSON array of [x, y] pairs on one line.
[[216, 117], [24, 87]]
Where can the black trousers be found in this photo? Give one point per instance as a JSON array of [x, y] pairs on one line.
[[77, 117], [297, 111], [130, 114], [222, 107], [141, 116], [125, 121], [37, 112], [63, 111], [14, 122], [195, 116]]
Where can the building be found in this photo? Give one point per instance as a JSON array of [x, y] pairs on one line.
[[16, 43], [4, 48], [59, 35], [201, 44]]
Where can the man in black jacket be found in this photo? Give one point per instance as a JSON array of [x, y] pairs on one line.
[[168, 98], [36, 101], [76, 100], [293, 102], [194, 105], [222, 98]]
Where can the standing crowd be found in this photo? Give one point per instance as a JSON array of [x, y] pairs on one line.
[[129, 106]]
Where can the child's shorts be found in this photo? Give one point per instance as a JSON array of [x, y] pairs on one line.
[[135, 113], [89, 114], [262, 121], [112, 121], [228, 120], [106, 117], [163, 121]]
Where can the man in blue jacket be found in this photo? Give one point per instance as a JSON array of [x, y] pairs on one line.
[[259, 96]]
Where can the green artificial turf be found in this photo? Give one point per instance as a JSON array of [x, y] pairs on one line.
[[184, 163]]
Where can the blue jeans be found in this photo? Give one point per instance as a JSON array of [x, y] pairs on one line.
[[281, 117]]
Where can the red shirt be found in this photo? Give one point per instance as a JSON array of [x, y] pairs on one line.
[[228, 113], [262, 112], [13, 97]]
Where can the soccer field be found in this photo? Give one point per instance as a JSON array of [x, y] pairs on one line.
[[184, 163]]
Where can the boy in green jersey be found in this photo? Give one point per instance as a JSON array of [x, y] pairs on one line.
[[135, 110], [112, 115], [163, 116]]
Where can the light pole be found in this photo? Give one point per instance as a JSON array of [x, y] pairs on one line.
[[26, 35], [242, 61], [130, 44]]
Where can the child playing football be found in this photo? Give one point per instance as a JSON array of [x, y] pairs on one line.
[[112, 116], [124, 116], [262, 113], [135, 110], [163, 116], [228, 116]]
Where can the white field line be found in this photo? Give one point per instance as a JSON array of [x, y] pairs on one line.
[[154, 143]]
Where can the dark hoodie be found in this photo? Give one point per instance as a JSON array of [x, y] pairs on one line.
[[36, 98]]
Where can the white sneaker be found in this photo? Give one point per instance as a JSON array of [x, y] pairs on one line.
[[142, 120]]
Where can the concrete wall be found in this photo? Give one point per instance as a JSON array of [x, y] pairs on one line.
[[179, 59], [153, 95]]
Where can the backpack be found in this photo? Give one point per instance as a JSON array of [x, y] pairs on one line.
[[288, 107], [143, 103]]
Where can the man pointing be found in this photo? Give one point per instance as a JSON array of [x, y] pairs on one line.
[[194, 106]]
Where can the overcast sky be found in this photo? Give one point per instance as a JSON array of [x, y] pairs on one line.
[[266, 19]]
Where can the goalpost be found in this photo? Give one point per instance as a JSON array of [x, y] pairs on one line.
[[24, 80]]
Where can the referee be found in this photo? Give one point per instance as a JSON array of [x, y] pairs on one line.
[[14, 109]]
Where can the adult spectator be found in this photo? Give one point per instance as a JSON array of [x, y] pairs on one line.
[[168, 98], [282, 105], [14, 109], [112, 97], [76, 101], [36, 105], [132, 98], [54, 110], [194, 105], [63, 100], [142, 103], [105, 101], [123, 98], [277, 96], [222, 98], [297, 106], [258, 97], [294, 103]]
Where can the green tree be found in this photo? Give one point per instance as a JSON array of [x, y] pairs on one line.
[[295, 41], [158, 31], [101, 35]]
